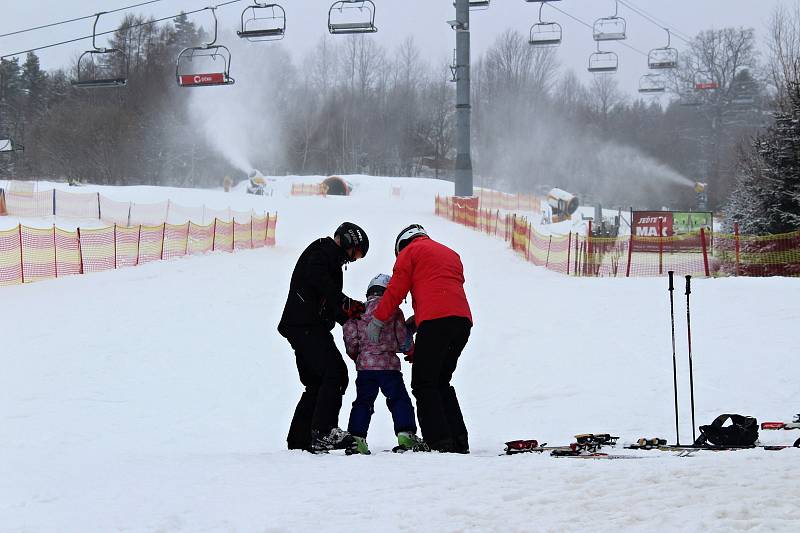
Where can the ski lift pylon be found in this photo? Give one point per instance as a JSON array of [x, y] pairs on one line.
[[214, 63], [603, 62], [545, 34], [263, 22], [652, 84], [663, 58], [101, 67], [340, 22], [613, 28]]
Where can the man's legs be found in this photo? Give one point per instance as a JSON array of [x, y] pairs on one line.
[[459, 334], [429, 353], [324, 374]]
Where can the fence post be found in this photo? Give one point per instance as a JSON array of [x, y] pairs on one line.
[[186, 247], [115, 245], [705, 250], [528, 251], [55, 251], [54, 201], [575, 267], [251, 230], [21, 257], [99, 213], [736, 235], [589, 265], [214, 236], [569, 249], [163, 233], [630, 256], [80, 250], [138, 244], [547, 261], [660, 247]]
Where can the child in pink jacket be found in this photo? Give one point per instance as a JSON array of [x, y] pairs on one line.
[[378, 368]]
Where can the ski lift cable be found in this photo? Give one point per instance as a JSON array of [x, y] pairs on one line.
[[642, 13], [147, 23], [576, 19], [17, 32]]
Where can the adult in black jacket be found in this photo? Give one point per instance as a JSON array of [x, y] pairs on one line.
[[314, 305]]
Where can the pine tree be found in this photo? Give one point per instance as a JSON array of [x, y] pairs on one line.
[[767, 197], [34, 84]]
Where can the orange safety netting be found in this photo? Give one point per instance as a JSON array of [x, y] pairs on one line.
[[698, 253], [489, 199], [309, 189], [69, 204], [33, 254]]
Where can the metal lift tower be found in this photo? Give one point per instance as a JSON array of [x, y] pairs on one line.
[[461, 73]]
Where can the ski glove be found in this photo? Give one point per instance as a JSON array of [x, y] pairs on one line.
[[374, 329], [410, 356], [411, 324], [353, 308]]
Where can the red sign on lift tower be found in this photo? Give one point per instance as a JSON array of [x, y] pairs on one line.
[[215, 78]]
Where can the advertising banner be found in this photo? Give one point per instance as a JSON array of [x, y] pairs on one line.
[[648, 226]]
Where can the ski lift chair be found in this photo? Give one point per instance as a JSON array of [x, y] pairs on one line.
[[479, 5], [663, 58], [613, 28], [204, 66], [340, 21], [545, 34], [602, 62], [263, 22], [652, 84], [101, 67]]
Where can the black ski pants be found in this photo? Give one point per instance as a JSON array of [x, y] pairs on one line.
[[323, 372], [439, 343]]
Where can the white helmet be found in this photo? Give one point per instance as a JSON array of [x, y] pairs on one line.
[[381, 280], [406, 236]]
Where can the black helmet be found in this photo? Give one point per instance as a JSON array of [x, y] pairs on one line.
[[352, 236], [406, 236]]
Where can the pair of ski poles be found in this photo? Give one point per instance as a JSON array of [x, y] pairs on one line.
[[674, 364]]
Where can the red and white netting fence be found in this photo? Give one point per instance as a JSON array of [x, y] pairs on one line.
[[699, 253], [34, 254]]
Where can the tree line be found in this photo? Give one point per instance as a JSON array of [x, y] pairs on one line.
[[351, 105]]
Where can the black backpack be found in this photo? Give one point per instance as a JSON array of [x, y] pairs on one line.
[[743, 431]]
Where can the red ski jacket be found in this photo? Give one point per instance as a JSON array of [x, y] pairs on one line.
[[434, 275]]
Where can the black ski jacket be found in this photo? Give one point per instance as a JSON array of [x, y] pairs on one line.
[[315, 291]]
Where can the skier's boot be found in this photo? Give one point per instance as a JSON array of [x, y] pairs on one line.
[[410, 442], [359, 446], [336, 439]]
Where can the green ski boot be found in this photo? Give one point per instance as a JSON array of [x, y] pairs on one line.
[[409, 442], [359, 446]]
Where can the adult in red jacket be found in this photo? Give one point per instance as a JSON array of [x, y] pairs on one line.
[[434, 275]]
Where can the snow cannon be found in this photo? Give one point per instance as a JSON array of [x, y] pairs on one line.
[[562, 203], [701, 189], [257, 184]]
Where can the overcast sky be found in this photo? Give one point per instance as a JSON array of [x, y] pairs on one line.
[[397, 19]]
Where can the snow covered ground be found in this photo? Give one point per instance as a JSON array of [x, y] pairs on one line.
[[157, 398]]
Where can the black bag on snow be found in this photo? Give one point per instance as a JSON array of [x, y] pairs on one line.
[[743, 431]]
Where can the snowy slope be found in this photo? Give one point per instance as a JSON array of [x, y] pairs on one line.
[[157, 398]]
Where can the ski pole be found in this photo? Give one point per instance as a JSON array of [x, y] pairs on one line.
[[674, 364], [689, 333]]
